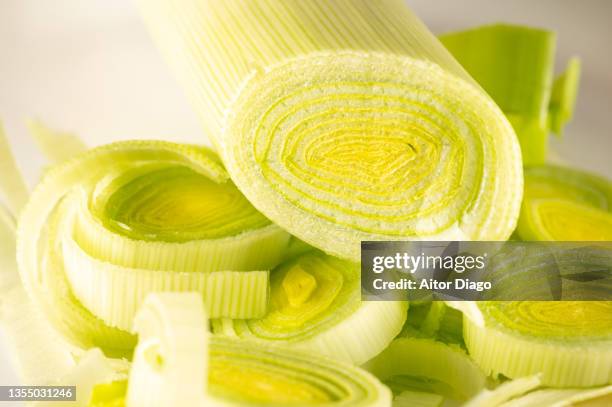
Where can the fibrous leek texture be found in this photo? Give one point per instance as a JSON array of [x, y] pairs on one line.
[[177, 364], [316, 306], [344, 121], [428, 365], [565, 204], [105, 228], [568, 342]]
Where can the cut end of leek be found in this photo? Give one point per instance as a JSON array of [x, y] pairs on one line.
[[352, 146], [315, 305], [344, 121], [568, 342], [565, 205]]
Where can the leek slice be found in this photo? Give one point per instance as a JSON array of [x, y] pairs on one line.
[[568, 342], [172, 362], [316, 306], [430, 365], [104, 228], [565, 204], [344, 121]]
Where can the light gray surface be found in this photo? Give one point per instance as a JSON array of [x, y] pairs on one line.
[[89, 67]]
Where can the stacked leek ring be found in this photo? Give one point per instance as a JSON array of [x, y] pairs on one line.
[[315, 305], [104, 229]]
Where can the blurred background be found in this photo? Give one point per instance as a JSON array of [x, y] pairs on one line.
[[90, 67]]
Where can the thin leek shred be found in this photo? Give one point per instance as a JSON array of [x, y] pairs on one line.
[[174, 366], [105, 228], [600, 397], [566, 205], [515, 65], [12, 184], [316, 306], [568, 342], [56, 146], [322, 110], [504, 392], [427, 365], [563, 98]]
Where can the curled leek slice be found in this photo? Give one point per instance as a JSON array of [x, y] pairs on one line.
[[568, 342], [316, 305], [172, 364], [105, 228], [344, 121], [427, 365], [565, 204]]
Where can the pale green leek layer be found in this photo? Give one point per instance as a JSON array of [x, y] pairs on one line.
[[107, 227], [315, 306], [344, 121], [568, 342], [173, 365], [515, 65], [565, 204]]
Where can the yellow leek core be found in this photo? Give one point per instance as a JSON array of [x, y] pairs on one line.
[[298, 285]]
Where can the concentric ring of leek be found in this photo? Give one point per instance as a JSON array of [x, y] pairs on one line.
[[315, 305], [105, 228], [566, 205], [424, 364], [568, 342], [176, 363], [349, 146]]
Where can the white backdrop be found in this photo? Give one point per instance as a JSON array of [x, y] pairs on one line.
[[89, 67]]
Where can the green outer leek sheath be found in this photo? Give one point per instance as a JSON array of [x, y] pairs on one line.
[[344, 120], [106, 227], [515, 65], [174, 366], [565, 204], [568, 342], [316, 306], [447, 368]]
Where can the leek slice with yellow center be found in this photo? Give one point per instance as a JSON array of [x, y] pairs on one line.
[[106, 227], [344, 121], [316, 305], [176, 363], [568, 342], [424, 364], [566, 205]]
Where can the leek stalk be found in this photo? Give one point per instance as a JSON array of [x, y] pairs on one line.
[[344, 121]]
